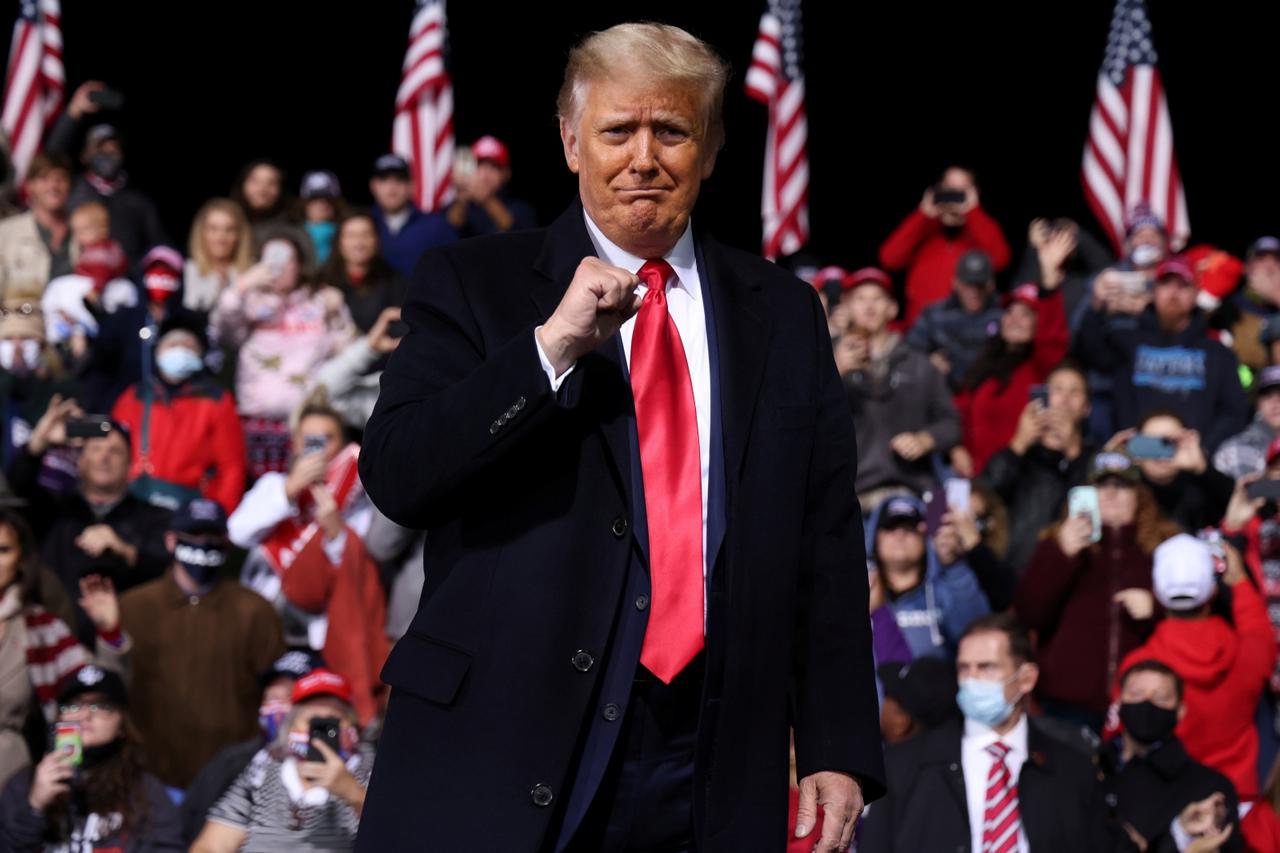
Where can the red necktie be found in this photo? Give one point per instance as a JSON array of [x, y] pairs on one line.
[[672, 471], [1000, 819]]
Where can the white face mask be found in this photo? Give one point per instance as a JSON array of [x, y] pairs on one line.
[[20, 357]]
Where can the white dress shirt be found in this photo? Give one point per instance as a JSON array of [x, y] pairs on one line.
[[977, 765], [685, 305]]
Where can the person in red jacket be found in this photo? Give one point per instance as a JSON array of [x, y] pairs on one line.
[[1033, 340], [1224, 665], [949, 222], [186, 435]]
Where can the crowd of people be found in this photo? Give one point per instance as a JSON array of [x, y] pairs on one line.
[[1067, 463]]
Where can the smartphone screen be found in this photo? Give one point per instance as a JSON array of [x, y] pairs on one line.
[[1083, 500], [314, 444], [66, 738], [958, 491]]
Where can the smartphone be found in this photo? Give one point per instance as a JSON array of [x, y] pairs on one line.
[[314, 444], [1150, 447], [1266, 489], [328, 730], [66, 736], [945, 196], [1212, 537], [958, 491], [397, 329], [1040, 394], [275, 256], [1132, 283], [1083, 500], [107, 99], [90, 426]]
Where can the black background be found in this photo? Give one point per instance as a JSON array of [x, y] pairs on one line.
[[896, 91]]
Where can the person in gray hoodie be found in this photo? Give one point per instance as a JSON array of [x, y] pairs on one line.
[[902, 409], [931, 603]]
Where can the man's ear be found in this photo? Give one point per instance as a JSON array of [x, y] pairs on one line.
[[569, 138], [1028, 674], [170, 540]]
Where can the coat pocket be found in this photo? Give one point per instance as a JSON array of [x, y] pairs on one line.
[[426, 668]]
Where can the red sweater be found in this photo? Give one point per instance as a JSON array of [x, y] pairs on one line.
[[1081, 632], [1225, 670], [195, 439], [928, 252], [989, 414]]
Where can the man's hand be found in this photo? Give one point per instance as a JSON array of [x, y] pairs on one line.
[[1038, 233], [332, 775], [1241, 508], [841, 799], [962, 462], [1200, 820], [927, 205], [1139, 603], [379, 341], [98, 599], [912, 445], [1030, 428], [51, 429], [599, 300], [940, 362], [307, 471], [96, 539], [852, 353], [1188, 455], [81, 105]]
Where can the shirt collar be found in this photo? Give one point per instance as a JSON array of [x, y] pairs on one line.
[[980, 735], [681, 257]]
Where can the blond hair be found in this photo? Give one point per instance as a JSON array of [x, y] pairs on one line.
[[243, 257], [95, 212], [657, 53]]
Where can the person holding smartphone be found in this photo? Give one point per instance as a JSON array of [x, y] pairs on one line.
[[306, 790], [90, 791]]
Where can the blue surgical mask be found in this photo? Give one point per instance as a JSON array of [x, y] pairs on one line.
[[322, 234], [178, 364], [271, 715], [984, 701]]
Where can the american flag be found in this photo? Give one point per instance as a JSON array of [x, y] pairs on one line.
[[35, 82], [1128, 158], [776, 79], [423, 130]]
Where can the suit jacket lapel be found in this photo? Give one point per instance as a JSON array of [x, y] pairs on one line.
[[743, 330], [566, 244]]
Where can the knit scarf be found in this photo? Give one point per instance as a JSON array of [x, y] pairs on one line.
[[290, 536], [53, 653]]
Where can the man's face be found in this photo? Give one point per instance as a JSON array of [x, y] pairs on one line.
[[1174, 298], [320, 426], [972, 297], [104, 463], [1154, 687], [640, 151], [900, 543], [984, 656], [1068, 395], [1263, 273], [49, 191], [871, 309], [1269, 408], [391, 192]]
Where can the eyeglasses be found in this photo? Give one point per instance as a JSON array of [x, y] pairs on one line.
[[93, 709]]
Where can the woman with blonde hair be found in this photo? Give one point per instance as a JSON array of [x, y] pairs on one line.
[[219, 249], [1087, 593]]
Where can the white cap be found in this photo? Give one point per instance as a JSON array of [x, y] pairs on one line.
[[1183, 576]]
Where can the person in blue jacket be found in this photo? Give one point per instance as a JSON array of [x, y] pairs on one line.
[[404, 231], [931, 603]]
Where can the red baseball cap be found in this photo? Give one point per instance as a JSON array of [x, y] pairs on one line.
[[491, 148], [321, 682], [1026, 293], [825, 274], [868, 275], [1176, 267]]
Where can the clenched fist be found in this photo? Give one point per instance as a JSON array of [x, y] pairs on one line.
[[599, 300]]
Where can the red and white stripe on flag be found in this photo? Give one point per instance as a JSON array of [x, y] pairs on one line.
[[35, 82], [775, 79], [422, 132], [1128, 156]]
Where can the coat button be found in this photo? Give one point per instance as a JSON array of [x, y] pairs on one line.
[[542, 795], [520, 403], [511, 413], [642, 602], [619, 527], [611, 712], [494, 427], [582, 660]]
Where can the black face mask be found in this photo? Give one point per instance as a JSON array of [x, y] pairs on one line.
[[95, 756], [106, 166], [202, 562], [1147, 722]]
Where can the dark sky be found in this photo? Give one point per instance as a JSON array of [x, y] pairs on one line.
[[897, 90]]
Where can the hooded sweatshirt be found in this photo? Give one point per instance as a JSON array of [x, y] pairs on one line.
[[934, 614], [1224, 669]]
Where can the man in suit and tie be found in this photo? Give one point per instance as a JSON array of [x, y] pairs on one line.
[[996, 782], [635, 458]]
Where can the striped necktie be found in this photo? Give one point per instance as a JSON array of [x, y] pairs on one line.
[[1000, 820]]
